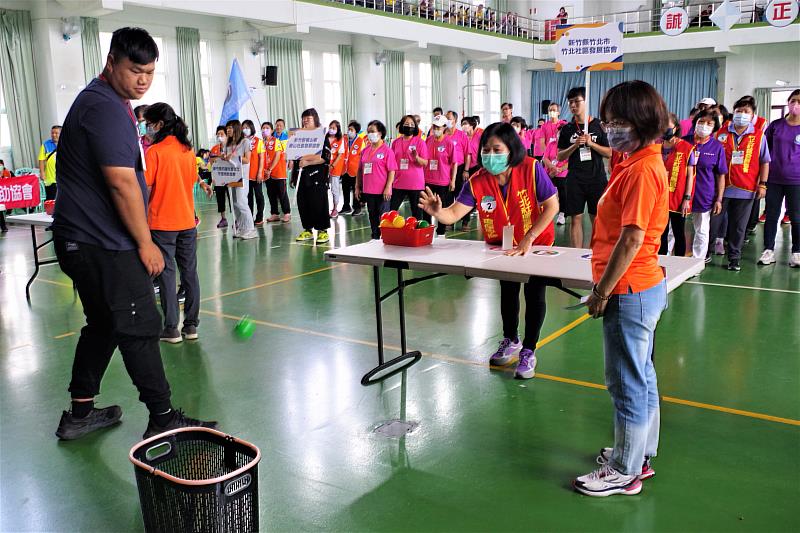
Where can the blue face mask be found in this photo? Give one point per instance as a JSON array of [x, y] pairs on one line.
[[495, 163], [142, 129], [742, 119]]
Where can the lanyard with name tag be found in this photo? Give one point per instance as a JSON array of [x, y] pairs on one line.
[[585, 153], [367, 168], [434, 164], [404, 164], [737, 157]]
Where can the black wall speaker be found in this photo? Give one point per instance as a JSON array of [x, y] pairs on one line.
[[270, 76], [543, 107]]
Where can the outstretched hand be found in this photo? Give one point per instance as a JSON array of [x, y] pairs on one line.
[[429, 202]]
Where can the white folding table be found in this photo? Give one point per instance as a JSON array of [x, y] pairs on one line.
[[563, 268], [33, 220]]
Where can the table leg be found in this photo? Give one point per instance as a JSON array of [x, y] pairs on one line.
[[389, 368], [35, 262]]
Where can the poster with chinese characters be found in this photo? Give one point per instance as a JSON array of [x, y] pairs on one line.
[[587, 47], [20, 192], [304, 142], [225, 172]]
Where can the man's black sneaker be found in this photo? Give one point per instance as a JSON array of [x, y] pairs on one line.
[[357, 211], [346, 210], [70, 428], [179, 420], [734, 265], [181, 295]]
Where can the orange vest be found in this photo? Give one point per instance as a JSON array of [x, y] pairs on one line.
[[676, 165], [271, 152], [255, 144], [354, 154], [338, 156], [744, 176], [520, 207]]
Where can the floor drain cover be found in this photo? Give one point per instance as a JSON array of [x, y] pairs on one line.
[[396, 428]]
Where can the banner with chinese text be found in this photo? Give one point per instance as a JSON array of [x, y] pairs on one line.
[[582, 47], [304, 142], [20, 192]]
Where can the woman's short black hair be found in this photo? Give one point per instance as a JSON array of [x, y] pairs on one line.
[[139, 110], [471, 121], [403, 121], [266, 123], [221, 128], [706, 113], [639, 103], [796, 92], [311, 112], [506, 134], [745, 101], [520, 121], [338, 126], [355, 125], [378, 126], [135, 44], [247, 123]]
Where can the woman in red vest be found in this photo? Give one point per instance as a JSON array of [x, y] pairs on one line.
[[338, 161], [680, 160], [510, 189], [748, 160]]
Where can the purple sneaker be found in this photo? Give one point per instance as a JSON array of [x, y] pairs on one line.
[[526, 368], [505, 352], [222, 223]]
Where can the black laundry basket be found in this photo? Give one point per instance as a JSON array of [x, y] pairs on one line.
[[197, 480]]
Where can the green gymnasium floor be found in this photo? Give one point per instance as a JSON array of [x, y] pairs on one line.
[[490, 453]]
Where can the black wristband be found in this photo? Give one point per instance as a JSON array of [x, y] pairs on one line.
[[687, 197]]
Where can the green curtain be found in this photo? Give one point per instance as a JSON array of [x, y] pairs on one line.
[[468, 95], [394, 80], [436, 81], [286, 100], [502, 6], [19, 86], [193, 107], [348, 85], [92, 54], [763, 97], [503, 69]]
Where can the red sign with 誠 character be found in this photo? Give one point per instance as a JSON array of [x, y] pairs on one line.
[[20, 192]]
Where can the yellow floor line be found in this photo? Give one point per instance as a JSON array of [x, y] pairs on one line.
[[64, 335], [269, 283], [549, 338]]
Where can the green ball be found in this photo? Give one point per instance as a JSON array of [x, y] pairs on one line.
[[245, 328], [423, 224]]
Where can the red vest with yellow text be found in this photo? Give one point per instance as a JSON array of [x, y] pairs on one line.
[[744, 176], [676, 164], [519, 208]]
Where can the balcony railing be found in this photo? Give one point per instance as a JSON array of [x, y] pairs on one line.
[[467, 15]]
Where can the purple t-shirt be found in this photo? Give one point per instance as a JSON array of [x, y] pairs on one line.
[[764, 157], [544, 189], [783, 140], [711, 162]]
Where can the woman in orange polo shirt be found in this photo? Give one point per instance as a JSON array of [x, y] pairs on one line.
[[629, 289], [170, 175], [275, 174]]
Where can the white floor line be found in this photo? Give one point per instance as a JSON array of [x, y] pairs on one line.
[[740, 287]]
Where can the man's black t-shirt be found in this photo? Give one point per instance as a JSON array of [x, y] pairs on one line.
[[99, 131], [586, 172]]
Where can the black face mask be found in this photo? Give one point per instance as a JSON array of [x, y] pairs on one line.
[[409, 130], [669, 134]]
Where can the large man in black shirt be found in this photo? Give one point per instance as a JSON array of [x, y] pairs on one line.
[[103, 242], [586, 177]]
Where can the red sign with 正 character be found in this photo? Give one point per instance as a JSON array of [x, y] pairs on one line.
[[20, 192]]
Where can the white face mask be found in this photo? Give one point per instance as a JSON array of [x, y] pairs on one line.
[[331, 131], [246, 132], [221, 139], [266, 132], [742, 119], [554, 114], [517, 129], [374, 137], [704, 130]]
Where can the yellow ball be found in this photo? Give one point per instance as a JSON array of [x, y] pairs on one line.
[[398, 221]]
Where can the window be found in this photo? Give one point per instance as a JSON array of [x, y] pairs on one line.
[[485, 94], [418, 91], [332, 87], [159, 89], [205, 77], [307, 73]]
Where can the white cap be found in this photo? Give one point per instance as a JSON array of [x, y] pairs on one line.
[[708, 101], [441, 121]]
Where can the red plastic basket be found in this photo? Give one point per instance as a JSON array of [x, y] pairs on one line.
[[407, 237], [49, 207]]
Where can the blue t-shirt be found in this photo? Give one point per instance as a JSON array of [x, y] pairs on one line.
[[544, 189], [99, 131]]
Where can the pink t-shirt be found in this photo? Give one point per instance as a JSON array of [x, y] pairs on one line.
[[526, 137], [472, 148], [536, 142], [410, 175], [551, 153], [375, 166], [686, 126], [550, 130], [461, 141], [443, 155]]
